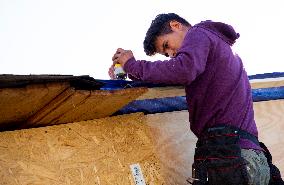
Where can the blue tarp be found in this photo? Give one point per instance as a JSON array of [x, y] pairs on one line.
[[121, 84], [178, 103]]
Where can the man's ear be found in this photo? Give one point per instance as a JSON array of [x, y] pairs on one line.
[[175, 25]]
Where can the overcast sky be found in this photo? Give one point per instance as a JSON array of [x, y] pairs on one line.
[[79, 37]]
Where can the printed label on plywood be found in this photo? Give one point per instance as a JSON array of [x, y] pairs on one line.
[[137, 174]]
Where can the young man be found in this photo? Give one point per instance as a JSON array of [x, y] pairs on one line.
[[218, 94]]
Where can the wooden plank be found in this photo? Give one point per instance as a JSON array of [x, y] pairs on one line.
[[266, 83], [51, 111], [83, 105], [101, 103], [60, 106], [97, 152], [17, 104], [173, 91]]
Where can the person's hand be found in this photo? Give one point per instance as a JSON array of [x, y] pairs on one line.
[[121, 56], [111, 72]]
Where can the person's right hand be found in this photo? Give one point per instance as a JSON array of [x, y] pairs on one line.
[[121, 56]]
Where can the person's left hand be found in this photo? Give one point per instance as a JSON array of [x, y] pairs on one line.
[[121, 56], [111, 72]]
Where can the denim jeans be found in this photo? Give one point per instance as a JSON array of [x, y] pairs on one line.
[[257, 167]]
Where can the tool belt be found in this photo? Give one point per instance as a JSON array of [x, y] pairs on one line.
[[218, 161]]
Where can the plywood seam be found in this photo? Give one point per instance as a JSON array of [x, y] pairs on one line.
[[34, 118], [56, 119]]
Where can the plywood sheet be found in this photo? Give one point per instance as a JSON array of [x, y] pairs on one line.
[[78, 105], [17, 104], [97, 152], [174, 144], [270, 121], [102, 103]]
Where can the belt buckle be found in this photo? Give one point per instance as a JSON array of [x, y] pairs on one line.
[[191, 180]]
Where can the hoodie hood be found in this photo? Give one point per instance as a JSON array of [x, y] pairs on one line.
[[222, 30]]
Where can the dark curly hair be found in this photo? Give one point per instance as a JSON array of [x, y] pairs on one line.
[[160, 26]]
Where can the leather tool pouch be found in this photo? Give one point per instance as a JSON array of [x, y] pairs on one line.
[[218, 160]]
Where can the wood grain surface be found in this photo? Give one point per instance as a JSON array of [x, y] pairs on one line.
[[18, 104]]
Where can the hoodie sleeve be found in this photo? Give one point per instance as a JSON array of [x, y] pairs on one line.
[[131, 77], [189, 62]]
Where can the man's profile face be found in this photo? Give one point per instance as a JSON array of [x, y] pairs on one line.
[[168, 44]]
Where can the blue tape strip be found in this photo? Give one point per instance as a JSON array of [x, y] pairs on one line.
[[267, 75], [178, 103], [266, 94], [121, 84]]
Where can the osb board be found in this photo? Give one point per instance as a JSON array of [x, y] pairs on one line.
[[97, 152], [79, 105], [17, 104], [175, 143]]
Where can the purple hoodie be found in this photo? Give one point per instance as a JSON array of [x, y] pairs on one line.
[[217, 87]]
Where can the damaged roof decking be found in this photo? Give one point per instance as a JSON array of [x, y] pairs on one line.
[[18, 104], [34, 102], [77, 105]]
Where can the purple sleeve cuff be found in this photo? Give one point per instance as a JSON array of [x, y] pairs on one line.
[[130, 69], [127, 65]]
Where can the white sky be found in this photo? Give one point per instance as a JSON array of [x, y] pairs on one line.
[[79, 37]]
